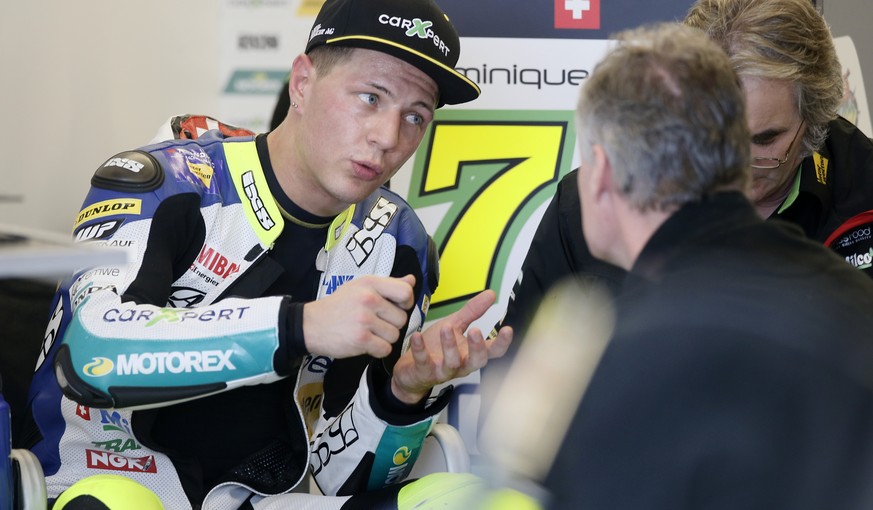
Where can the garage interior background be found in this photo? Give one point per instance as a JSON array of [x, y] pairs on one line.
[[83, 80]]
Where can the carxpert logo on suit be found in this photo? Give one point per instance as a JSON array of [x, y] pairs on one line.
[[577, 14]]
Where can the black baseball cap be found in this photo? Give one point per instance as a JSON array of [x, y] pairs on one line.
[[415, 31]]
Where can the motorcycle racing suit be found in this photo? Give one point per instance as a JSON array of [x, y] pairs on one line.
[[194, 317]]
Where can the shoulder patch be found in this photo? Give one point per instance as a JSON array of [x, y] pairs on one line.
[[133, 171]]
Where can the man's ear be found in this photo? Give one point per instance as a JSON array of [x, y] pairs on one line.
[[602, 183], [302, 75]]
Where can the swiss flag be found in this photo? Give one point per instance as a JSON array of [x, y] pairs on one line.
[[83, 412], [579, 14]]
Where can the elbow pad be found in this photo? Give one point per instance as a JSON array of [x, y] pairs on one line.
[[124, 355]]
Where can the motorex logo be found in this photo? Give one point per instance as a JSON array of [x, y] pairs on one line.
[[173, 362], [401, 464], [99, 367], [416, 27], [401, 456]]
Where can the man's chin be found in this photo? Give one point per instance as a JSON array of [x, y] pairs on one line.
[[596, 251], [356, 194], [755, 195]]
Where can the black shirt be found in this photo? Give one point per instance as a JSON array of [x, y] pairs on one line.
[[740, 375]]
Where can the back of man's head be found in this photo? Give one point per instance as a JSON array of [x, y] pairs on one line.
[[667, 108]]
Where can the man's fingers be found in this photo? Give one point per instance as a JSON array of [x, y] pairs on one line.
[[398, 290], [386, 330], [477, 356], [410, 279], [395, 298], [419, 352], [377, 347], [364, 316], [498, 345], [451, 354], [474, 308], [390, 314]]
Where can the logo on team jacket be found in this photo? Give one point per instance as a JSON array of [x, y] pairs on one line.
[[107, 208], [95, 231], [116, 462], [401, 463], [363, 242], [173, 362], [261, 213], [99, 367], [401, 456]]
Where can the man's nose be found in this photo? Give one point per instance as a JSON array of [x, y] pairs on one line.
[[384, 129]]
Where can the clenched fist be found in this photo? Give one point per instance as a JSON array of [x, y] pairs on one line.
[[363, 316]]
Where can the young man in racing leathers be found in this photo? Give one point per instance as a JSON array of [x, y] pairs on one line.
[[268, 321]]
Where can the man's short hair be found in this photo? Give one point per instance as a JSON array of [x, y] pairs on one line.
[[668, 110], [325, 58]]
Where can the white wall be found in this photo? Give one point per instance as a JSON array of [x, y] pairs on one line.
[[83, 80], [852, 18]]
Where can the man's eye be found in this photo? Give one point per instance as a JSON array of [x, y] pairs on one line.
[[414, 118], [368, 98]]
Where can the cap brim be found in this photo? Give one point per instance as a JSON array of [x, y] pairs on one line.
[[454, 87]]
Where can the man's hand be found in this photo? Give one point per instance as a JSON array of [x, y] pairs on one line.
[[363, 316], [442, 352]]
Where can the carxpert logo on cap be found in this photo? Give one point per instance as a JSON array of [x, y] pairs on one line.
[[416, 27], [578, 14], [411, 28]]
